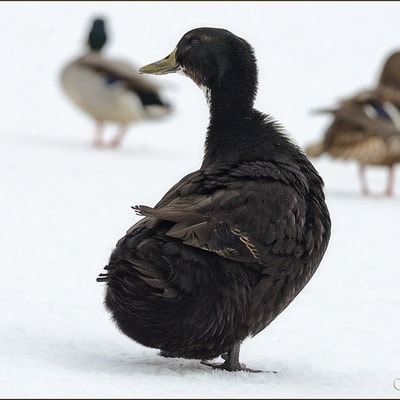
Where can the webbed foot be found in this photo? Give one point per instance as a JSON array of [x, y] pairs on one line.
[[231, 362], [227, 366]]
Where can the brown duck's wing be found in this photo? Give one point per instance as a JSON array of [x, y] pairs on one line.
[[356, 115], [360, 111], [381, 94], [253, 221]]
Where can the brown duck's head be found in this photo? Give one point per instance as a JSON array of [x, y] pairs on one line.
[[390, 75]]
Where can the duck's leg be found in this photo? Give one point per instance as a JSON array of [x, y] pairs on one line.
[[119, 136], [390, 181], [363, 181], [98, 139], [231, 362]]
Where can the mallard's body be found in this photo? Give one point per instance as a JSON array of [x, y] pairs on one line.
[[111, 90], [121, 94], [366, 127], [231, 244]]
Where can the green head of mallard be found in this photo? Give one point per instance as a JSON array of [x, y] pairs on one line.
[[97, 36]]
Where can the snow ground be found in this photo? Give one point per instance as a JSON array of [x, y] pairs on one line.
[[64, 204]]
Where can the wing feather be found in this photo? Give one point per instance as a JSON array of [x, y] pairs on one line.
[[251, 221]]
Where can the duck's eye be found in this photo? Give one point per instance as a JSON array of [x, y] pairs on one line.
[[194, 41]]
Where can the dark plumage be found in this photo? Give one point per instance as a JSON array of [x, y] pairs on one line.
[[366, 127], [230, 245]]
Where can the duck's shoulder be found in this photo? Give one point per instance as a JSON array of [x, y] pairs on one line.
[[238, 176], [244, 187]]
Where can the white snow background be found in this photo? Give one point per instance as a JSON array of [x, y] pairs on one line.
[[64, 204]]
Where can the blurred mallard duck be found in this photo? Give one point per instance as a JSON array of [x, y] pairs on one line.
[[110, 90], [228, 248], [366, 127]]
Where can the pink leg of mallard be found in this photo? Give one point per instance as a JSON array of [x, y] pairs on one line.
[[119, 136], [390, 182], [363, 181], [98, 139]]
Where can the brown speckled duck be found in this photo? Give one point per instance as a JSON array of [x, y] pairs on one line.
[[366, 127], [229, 247], [110, 90]]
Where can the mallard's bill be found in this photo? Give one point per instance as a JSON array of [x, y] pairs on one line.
[[165, 66]]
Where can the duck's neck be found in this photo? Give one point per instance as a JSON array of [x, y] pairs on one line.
[[232, 98], [238, 133], [229, 110], [231, 130]]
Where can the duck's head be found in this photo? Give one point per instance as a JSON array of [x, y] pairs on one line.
[[216, 60], [97, 35], [390, 75]]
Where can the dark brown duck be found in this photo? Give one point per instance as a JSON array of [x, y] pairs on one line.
[[231, 244]]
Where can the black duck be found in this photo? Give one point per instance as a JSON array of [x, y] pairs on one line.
[[229, 246], [110, 90], [366, 127]]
